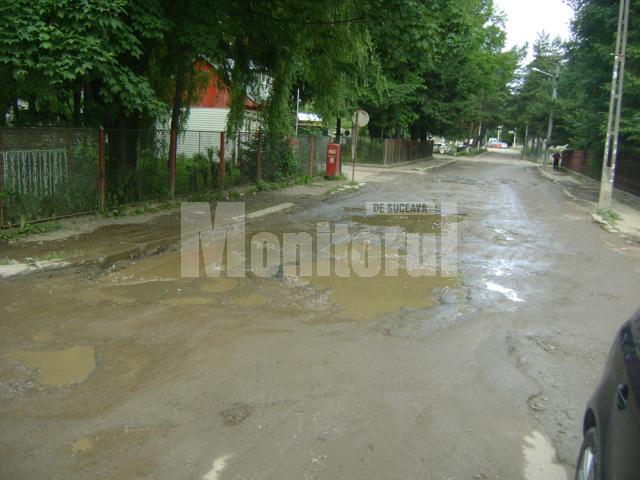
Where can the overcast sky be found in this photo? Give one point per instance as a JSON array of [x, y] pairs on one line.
[[525, 18]]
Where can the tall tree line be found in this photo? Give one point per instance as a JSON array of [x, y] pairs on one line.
[[584, 85], [419, 66]]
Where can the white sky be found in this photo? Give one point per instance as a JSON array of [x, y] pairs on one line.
[[525, 18]]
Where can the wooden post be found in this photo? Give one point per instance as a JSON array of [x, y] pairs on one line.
[[354, 149], [221, 169], [259, 159], [101, 170], [68, 148], [173, 148], [384, 157], [311, 147]]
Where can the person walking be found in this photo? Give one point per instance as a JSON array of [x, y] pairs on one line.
[[556, 161]]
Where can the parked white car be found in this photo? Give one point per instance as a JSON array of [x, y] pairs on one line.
[[440, 145]]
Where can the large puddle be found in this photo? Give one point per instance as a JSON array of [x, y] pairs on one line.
[[358, 297], [365, 298], [362, 297], [64, 367], [429, 224]]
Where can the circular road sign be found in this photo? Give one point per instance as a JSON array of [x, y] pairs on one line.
[[361, 117]]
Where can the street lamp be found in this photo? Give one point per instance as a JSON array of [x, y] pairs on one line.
[[554, 96]]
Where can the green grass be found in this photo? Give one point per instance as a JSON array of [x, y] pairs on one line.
[[29, 229], [6, 261], [340, 177], [608, 215], [51, 257], [139, 209], [264, 186]]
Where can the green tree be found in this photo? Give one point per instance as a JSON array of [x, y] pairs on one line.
[[533, 100], [50, 52], [587, 81]]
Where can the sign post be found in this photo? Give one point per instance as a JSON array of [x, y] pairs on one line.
[[360, 119]]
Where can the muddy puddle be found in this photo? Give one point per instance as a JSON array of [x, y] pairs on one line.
[[59, 368], [218, 285], [43, 336], [253, 299], [428, 224], [160, 268], [176, 301], [356, 296], [363, 298], [82, 445]]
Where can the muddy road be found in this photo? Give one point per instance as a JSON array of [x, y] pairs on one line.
[[131, 372]]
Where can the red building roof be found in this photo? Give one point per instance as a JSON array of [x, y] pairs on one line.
[[217, 94]]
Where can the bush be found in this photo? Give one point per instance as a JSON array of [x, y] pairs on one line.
[[278, 160]]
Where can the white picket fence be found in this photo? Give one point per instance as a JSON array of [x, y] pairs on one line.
[[34, 172]]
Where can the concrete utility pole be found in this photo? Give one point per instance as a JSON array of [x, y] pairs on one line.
[[297, 108], [554, 97], [615, 109], [525, 143]]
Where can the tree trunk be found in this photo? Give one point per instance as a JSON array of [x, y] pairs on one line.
[[178, 95], [415, 132], [77, 105], [123, 143], [338, 128], [478, 142]]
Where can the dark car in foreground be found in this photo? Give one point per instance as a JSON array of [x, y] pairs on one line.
[[611, 446]]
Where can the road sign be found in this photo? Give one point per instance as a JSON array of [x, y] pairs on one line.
[[361, 117]]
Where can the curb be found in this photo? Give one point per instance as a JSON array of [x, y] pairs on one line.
[[566, 192], [393, 165], [433, 167], [603, 223], [594, 215]]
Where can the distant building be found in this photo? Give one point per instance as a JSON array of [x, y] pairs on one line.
[[208, 116], [309, 120]]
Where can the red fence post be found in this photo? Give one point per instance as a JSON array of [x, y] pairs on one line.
[[101, 170], [173, 147], [259, 159], [221, 173]]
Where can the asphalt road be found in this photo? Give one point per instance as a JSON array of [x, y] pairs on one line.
[[134, 372]]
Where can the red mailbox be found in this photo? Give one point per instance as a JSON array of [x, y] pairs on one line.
[[332, 168]]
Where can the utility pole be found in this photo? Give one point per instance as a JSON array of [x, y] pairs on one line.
[[554, 97], [615, 110], [297, 108], [526, 140], [338, 138]]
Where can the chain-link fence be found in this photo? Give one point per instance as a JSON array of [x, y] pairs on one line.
[[310, 155], [387, 151], [47, 172], [52, 172]]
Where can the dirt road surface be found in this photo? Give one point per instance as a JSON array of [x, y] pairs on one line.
[[129, 371]]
